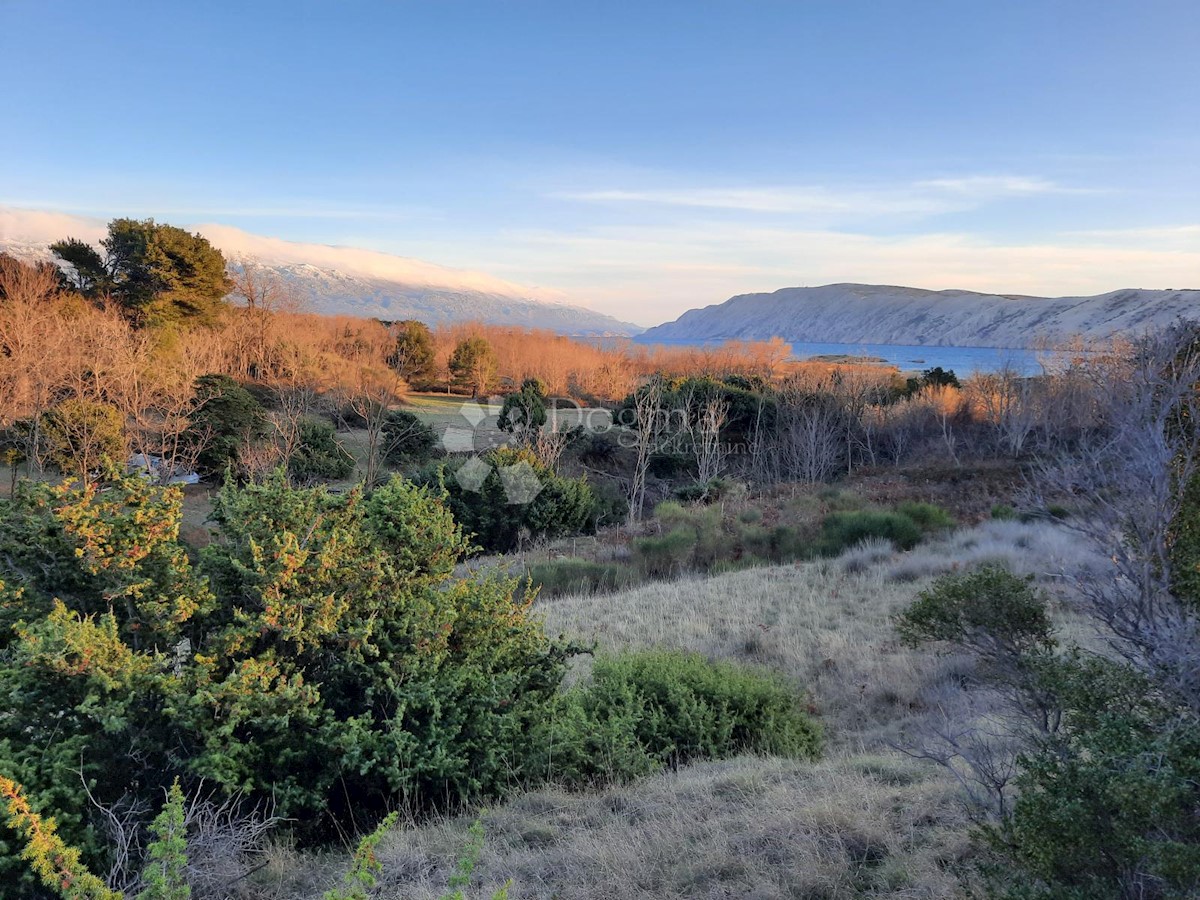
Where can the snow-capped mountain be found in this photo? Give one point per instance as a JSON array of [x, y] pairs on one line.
[[884, 314], [347, 280]]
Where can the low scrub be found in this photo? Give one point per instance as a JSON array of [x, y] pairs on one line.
[[645, 710], [579, 576], [842, 531], [904, 526], [708, 539], [318, 455]]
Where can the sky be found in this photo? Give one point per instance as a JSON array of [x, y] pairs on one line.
[[641, 158]]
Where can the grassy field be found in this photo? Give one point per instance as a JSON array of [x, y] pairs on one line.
[[444, 411], [866, 821]]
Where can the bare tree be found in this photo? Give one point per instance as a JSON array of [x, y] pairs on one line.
[[764, 461], [371, 399], [945, 404], [1131, 476], [706, 422], [1006, 401], [265, 295], [647, 423], [811, 434]]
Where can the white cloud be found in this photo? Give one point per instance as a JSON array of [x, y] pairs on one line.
[[992, 186], [648, 275], [235, 243], [41, 227], [36, 226], [651, 274], [916, 198]]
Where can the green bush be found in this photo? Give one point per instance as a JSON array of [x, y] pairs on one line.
[[988, 609], [508, 494], [755, 540], [710, 491], [578, 576], [1109, 777], [927, 516], [789, 543], [703, 538], [598, 449], [672, 465], [1110, 799], [670, 554], [322, 654], [224, 418], [843, 530], [407, 437], [1002, 512], [80, 436], [645, 710], [318, 455]]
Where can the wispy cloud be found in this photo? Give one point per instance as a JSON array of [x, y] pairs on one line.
[[231, 210], [926, 197], [648, 275], [991, 186]]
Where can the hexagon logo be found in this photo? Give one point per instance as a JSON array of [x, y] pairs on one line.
[[521, 483], [476, 432]]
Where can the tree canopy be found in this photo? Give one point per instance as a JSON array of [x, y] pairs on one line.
[[473, 365], [413, 356], [157, 272]]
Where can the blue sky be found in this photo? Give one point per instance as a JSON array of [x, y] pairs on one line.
[[641, 157]]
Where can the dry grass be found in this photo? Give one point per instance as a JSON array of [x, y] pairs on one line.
[[867, 821], [827, 624], [860, 826], [741, 828]]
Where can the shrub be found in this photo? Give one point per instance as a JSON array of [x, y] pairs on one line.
[[224, 418], [989, 610], [322, 654], [81, 435], [672, 465], [843, 530], [407, 437], [318, 455], [1107, 802], [789, 543], [927, 516], [508, 494], [709, 491], [363, 875], [754, 540], [164, 877], [578, 576], [670, 554], [598, 448], [1002, 512], [524, 410], [867, 554], [645, 710]]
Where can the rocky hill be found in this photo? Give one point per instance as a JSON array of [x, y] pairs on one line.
[[883, 314]]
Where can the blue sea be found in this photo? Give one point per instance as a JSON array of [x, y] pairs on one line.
[[963, 360], [912, 358]]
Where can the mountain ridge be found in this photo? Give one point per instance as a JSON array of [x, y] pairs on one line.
[[848, 312], [338, 280]]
